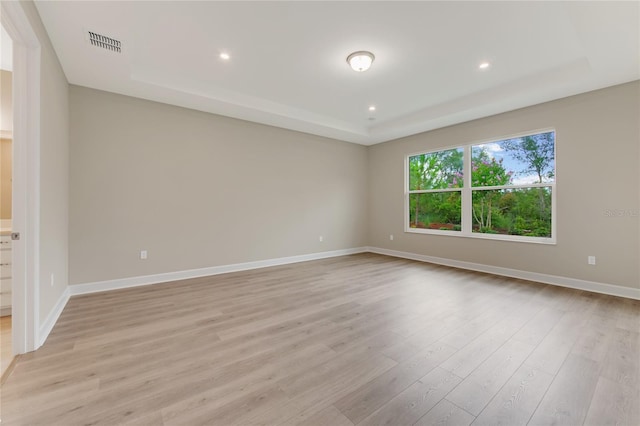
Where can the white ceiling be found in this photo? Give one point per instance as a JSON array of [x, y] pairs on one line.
[[288, 59]]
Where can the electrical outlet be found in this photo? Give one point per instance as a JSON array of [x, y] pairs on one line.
[[591, 260], [52, 279], [321, 238], [143, 254], [391, 237]]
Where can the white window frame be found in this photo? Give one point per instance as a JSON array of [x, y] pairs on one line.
[[467, 191]]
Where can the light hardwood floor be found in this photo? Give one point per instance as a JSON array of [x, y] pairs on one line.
[[354, 340], [6, 353]]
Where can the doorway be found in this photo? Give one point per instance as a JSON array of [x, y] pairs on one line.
[[6, 197], [25, 209]]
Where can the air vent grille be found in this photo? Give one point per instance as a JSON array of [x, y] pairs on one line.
[[105, 42]]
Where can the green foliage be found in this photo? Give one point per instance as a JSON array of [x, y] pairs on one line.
[[537, 152], [520, 212], [486, 230], [436, 170], [486, 171], [435, 210], [512, 211]]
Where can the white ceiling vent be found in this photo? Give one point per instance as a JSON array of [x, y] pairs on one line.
[[104, 42]]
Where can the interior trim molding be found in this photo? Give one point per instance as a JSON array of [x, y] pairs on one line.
[[26, 174], [53, 316], [108, 285], [592, 286], [101, 286]]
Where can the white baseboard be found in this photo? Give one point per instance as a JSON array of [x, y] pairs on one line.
[[99, 286], [95, 287], [595, 287], [53, 316]]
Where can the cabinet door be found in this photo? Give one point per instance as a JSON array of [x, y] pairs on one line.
[[5, 256], [5, 242], [5, 294], [5, 286], [5, 267]]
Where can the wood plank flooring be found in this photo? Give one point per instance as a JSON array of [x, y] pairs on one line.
[[354, 340], [6, 352]]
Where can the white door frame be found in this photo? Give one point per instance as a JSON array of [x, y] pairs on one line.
[[26, 177]]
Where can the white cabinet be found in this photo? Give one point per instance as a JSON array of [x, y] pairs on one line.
[[5, 275]]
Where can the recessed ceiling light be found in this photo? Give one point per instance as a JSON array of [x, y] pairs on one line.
[[360, 61], [372, 108], [484, 65], [225, 56]]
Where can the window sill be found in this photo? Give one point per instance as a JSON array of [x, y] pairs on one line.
[[479, 235]]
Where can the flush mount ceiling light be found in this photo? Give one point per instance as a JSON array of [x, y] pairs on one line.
[[225, 56], [360, 61], [484, 65]]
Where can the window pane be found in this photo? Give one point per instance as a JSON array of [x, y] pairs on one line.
[[435, 210], [436, 170], [522, 211], [517, 161]]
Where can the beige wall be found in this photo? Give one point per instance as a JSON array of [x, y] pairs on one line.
[[54, 170], [598, 152], [5, 178], [199, 190], [6, 102]]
